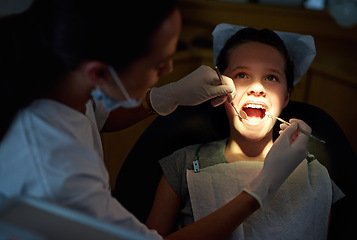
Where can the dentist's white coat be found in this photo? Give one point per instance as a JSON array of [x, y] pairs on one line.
[[54, 153]]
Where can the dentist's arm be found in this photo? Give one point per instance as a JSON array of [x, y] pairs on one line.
[[221, 223], [199, 86], [286, 154]]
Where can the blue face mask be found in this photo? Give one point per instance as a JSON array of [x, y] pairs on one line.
[[112, 103]]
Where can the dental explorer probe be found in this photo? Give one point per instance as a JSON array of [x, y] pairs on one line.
[[300, 130], [244, 115]]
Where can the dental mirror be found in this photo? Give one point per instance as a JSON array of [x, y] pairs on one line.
[[241, 114]]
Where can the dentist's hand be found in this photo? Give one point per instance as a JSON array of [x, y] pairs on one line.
[[288, 151], [199, 86]]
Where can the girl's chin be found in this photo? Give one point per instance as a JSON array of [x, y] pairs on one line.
[[253, 131], [254, 138], [255, 135]]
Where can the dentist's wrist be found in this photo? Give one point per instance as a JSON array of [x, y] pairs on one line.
[[146, 103]]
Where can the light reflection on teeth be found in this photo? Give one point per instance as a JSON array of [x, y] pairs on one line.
[[256, 106]]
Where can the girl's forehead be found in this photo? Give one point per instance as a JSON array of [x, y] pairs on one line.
[[255, 53], [256, 50]]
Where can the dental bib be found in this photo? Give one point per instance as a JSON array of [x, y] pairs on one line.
[[299, 210]]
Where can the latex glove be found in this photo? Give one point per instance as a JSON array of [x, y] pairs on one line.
[[287, 152], [199, 86]]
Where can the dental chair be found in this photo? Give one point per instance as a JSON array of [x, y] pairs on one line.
[[140, 174]]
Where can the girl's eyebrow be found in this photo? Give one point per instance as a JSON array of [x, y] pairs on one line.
[[240, 67], [273, 70]]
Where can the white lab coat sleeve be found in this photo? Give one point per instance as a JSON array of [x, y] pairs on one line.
[[97, 113], [76, 178]]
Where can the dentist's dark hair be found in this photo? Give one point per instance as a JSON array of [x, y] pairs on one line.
[[53, 37], [265, 36]]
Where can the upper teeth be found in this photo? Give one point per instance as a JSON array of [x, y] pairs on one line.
[[251, 105]]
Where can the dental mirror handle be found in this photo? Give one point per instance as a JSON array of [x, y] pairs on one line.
[[219, 74], [241, 114]]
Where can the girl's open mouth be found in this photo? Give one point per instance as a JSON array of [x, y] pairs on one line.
[[255, 112]]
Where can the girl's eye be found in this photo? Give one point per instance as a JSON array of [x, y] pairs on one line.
[[271, 78], [242, 75]]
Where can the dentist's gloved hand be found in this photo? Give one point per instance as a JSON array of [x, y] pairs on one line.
[[199, 86], [287, 152]]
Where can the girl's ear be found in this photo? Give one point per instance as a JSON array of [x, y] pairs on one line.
[[97, 72]]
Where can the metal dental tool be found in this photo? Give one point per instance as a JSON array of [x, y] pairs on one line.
[[301, 130], [241, 114]]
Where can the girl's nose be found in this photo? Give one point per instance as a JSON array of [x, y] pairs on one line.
[[257, 89]]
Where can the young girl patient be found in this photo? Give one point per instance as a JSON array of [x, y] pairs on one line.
[[260, 65]]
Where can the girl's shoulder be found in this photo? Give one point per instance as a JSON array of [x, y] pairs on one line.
[[208, 154]]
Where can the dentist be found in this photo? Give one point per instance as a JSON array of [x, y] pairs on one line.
[[72, 68]]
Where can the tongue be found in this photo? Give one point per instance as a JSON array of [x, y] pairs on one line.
[[254, 114]]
